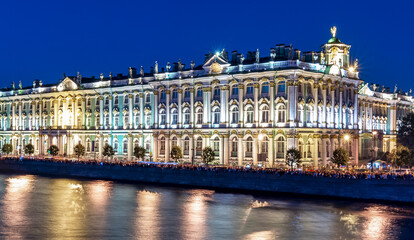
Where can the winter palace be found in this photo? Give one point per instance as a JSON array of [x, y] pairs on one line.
[[249, 108]]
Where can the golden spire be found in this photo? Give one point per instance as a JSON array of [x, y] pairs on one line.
[[333, 31]]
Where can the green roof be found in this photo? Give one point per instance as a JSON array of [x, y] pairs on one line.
[[334, 40]]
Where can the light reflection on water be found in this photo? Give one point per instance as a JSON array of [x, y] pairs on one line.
[[37, 207]]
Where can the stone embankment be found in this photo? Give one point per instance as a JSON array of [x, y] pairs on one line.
[[393, 190]]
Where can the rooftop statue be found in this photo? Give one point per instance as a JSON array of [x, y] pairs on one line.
[[333, 31], [156, 67]]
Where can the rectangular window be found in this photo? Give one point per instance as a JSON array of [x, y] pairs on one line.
[[249, 90], [200, 93], [265, 89], [187, 94], [235, 91]]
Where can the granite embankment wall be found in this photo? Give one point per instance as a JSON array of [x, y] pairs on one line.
[[375, 189]]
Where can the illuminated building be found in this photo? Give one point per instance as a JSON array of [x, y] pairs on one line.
[[250, 110]]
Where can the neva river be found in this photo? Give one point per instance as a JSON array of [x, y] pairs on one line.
[[33, 207]]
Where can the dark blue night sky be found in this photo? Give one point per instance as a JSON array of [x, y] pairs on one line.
[[43, 40]]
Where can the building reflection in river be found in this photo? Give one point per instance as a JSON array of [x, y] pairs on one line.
[[148, 215], [14, 212]]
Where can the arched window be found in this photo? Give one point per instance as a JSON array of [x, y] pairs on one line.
[[126, 120], [309, 114], [281, 87], [136, 120], [200, 92], [265, 114], [88, 145], [308, 150], [162, 145], [234, 147], [216, 146], [137, 99], [148, 98], [281, 114], [280, 148], [125, 145], [249, 147], [174, 116], [300, 111], [235, 90], [186, 145], [147, 119], [216, 92], [116, 120], [301, 148], [174, 141], [107, 120], [187, 93], [249, 89], [235, 115], [116, 146], [116, 100], [199, 116], [96, 145], [174, 94], [186, 116], [199, 146], [162, 117], [249, 115], [327, 149], [265, 88], [216, 119], [126, 100], [264, 145]]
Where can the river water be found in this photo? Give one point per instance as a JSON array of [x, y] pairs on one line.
[[33, 207]]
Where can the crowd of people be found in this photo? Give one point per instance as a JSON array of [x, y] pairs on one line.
[[344, 174]]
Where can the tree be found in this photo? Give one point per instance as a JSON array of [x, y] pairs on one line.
[[405, 134], [293, 157], [207, 155], [108, 151], [401, 156], [7, 148], [139, 152], [29, 149], [176, 153], [340, 157], [53, 150], [79, 150]]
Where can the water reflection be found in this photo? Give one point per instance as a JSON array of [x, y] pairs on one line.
[[195, 214], [67, 209], [148, 215], [15, 203], [377, 224]]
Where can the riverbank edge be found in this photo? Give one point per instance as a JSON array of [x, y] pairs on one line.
[[373, 190]]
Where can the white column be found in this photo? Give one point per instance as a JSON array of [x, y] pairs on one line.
[[355, 150], [355, 109], [292, 101], [256, 103], [130, 147], [341, 122], [101, 112], [130, 110], [324, 117], [323, 152], [20, 116], [270, 150], [332, 106], [155, 109], [241, 105], [180, 114], [315, 108], [155, 146], [167, 117], [226, 149], [222, 105], [110, 111], [206, 105], [192, 106], [167, 148], [272, 103], [240, 152], [141, 110], [315, 153], [255, 150]]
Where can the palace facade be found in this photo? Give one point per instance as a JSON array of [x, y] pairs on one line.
[[249, 109]]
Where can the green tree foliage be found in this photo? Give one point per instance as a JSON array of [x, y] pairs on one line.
[[139, 152], [207, 155], [293, 157], [108, 151], [29, 149], [176, 153], [79, 150], [340, 157], [7, 148], [405, 134], [401, 156], [53, 150]]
